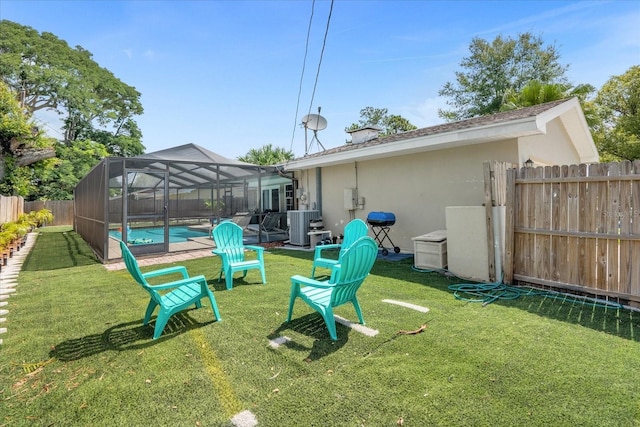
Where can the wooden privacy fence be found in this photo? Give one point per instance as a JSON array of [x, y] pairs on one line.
[[62, 210], [11, 207], [575, 227]]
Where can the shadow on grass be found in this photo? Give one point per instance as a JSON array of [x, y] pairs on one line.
[[618, 321], [312, 325], [621, 322], [123, 337], [238, 281], [54, 251]]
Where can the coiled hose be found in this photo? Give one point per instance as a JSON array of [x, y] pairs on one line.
[[486, 293]]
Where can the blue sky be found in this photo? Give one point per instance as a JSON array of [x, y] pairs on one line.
[[227, 74]]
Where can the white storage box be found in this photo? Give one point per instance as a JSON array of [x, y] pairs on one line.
[[430, 250]]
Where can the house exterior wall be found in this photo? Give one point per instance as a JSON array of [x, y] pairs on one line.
[[416, 188], [553, 148]]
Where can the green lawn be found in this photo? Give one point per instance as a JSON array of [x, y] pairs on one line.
[[76, 353]]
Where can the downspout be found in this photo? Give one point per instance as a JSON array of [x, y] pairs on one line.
[[319, 189]]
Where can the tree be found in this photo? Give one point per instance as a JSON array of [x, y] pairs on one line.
[[496, 68], [267, 155], [536, 92], [48, 74], [71, 164], [379, 117], [618, 107], [21, 144]]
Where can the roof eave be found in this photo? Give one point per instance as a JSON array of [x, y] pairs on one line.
[[463, 137]]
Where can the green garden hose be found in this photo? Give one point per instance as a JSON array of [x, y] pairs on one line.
[[486, 293]]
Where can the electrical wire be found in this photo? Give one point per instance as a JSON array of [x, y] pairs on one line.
[[324, 43], [315, 84], [304, 64]]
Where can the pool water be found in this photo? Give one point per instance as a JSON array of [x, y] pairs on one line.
[[177, 234]]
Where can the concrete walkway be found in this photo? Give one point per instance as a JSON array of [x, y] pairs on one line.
[[163, 259], [9, 279], [180, 256]]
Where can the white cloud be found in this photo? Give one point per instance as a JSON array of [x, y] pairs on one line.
[[425, 113], [128, 53]]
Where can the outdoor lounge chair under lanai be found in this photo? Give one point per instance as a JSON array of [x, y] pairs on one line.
[[270, 225]]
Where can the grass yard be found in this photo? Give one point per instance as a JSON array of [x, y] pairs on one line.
[[76, 353]]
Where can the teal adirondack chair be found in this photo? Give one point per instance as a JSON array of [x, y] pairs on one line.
[[230, 248], [352, 231], [355, 264], [172, 297]]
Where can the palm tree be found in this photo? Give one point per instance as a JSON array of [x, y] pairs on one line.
[[536, 92], [267, 155]]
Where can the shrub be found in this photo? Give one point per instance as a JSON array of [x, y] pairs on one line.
[[42, 217]]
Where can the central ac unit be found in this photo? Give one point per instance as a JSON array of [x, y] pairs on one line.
[[299, 226]]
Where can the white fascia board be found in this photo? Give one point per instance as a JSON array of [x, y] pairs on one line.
[[580, 134], [457, 138]]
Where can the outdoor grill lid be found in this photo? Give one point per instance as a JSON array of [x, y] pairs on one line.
[[381, 218]]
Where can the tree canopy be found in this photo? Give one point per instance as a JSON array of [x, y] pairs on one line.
[[22, 144], [618, 107], [380, 117], [39, 71], [536, 92], [267, 155], [47, 73], [495, 69]]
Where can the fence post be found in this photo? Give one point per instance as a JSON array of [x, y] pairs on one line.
[[488, 205], [509, 226]]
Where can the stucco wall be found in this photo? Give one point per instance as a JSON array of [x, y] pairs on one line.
[[554, 148], [416, 188]]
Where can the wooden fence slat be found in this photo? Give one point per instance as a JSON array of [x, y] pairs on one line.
[[573, 243], [624, 227], [611, 225], [634, 276], [509, 243], [488, 206], [594, 225], [585, 224], [556, 252]]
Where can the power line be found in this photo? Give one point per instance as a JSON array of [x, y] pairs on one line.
[[315, 84], [304, 62], [324, 42]]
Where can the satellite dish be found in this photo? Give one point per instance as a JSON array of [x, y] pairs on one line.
[[314, 122]]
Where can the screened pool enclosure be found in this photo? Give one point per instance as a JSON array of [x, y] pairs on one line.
[[169, 200]]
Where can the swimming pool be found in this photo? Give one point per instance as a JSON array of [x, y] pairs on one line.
[[177, 234]]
